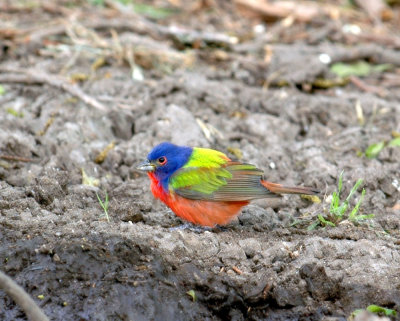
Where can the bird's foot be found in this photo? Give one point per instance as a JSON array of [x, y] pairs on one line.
[[220, 228], [192, 228]]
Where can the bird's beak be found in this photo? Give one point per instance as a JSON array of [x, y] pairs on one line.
[[146, 166]]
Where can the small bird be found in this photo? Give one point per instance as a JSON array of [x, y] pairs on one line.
[[205, 187]]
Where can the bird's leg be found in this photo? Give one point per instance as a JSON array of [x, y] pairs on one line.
[[191, 227], [220, 228]]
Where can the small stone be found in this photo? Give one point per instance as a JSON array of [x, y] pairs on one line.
[[56, 258]]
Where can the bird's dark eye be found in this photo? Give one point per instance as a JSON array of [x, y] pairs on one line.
[[162, 160]]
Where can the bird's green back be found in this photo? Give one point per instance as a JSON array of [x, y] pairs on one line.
[[210, 175]]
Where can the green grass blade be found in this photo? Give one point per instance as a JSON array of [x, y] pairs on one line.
[[364, 217], [378, 309], [336, 197], [325, 221], [354, 189], [373, 150], [313, 226], [99, 199], [356, 208], [394, 142], [104, 205], [340, 210], [106, 201], [334, 202]]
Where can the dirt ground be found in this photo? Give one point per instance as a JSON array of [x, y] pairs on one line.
[[88, 90]]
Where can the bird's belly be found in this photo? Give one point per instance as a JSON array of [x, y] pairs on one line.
[[205, 213], [202, 212]]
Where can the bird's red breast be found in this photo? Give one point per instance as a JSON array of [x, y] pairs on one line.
[[205, 213]]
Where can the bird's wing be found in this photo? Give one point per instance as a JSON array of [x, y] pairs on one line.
[[229, 181]]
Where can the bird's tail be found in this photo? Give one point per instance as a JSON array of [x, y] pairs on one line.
[[281, 189]]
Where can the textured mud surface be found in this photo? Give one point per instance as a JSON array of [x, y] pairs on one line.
[[56, 243]]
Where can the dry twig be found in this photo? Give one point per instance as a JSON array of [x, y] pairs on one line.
[[237, 270], [373, 52], [34, 76], [368, 88], [22, 298], [140, 25], [16, 158]]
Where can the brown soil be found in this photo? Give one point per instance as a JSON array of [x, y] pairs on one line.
[[265, 265]]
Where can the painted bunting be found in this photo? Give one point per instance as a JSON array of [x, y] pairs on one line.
[[203, 186]]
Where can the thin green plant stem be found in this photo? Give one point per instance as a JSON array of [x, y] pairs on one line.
[[104, 205]]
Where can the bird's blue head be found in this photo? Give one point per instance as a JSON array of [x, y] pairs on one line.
[[165, 159]]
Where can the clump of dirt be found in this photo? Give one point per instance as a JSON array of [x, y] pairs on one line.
[[69, 93]]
